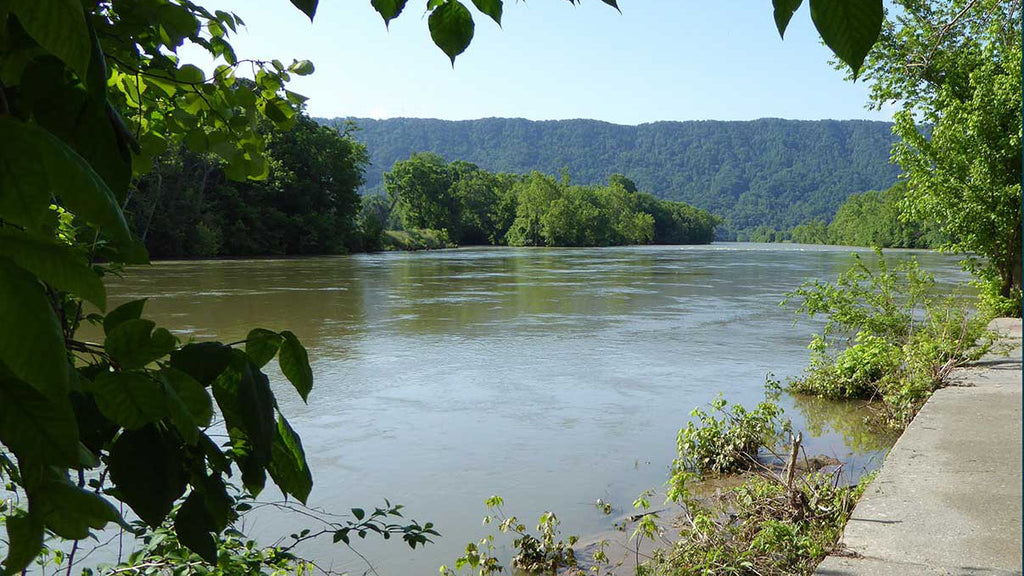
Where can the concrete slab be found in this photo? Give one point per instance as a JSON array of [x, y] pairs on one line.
[[947, 499]]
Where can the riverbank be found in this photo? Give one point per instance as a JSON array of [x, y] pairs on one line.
[[948, 497]]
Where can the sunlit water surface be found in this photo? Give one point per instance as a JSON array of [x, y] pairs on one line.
[[551, 377]]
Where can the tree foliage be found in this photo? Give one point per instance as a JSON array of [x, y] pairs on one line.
[[307, 204], [955, 65], [474, 206], [874, 219], [90, 96]]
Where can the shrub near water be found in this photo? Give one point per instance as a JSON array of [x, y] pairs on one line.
[[762, 527], [729, 442], [888, 337]]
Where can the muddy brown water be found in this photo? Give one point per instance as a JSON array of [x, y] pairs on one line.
[[551, 377]]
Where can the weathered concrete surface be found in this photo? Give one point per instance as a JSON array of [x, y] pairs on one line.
[[948, 497]]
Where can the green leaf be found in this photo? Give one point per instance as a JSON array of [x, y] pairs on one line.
[[261, 346], [180, 416], [127, 311], [192, 394], [288, 465], [70, 512], [146, 467], [204, 361], [451, 28], [56, 264], [295, 364], [308, 7], [35, 166], [193, 526], [613, 4], [59, 27], [784, 10], [190, 74], [302, 67], [83, 121], [31, 339], [849, 27], [34, 426], [219, 503], [491, 8], [247, 403], [388, 9], [278, 110], [358, 513], [131, 399], [135, 343], [25, 539]]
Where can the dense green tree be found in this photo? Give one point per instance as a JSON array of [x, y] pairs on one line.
[[307, 203], [876, 219], [955, 66], [374, 219], [421, 190], [479, 193], [813, 232]]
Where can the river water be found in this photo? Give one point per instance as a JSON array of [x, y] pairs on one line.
[[551, 377]]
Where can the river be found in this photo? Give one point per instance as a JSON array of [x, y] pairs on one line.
[[551, 377]]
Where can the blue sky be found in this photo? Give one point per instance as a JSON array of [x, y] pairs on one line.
[[658, 60]]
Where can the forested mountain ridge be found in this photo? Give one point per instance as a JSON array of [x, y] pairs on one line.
[[762, 172]]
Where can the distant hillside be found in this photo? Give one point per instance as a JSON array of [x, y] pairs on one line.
[[768, 171]]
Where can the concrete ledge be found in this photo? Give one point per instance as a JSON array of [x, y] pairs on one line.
[[948, 497]]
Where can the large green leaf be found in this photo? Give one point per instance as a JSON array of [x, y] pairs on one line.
[[388, 9], [32, 425], [784, 10], [70, 512], [127, 311], [245, 400], [451, 28], [261, 345], [490, 7], [295, 364], [131, 399], [81, 120], [308, 7], [25, 540], [31, 339], [849, 27], [36, 166], [135, 343], [192, 394], [288, 465], [146, 467], [204, 361], [193, 525], [56, 264], [59, 27]]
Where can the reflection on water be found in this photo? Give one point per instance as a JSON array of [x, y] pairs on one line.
[[849, 420], [552, 377]]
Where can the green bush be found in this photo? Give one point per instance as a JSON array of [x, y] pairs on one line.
[[889, 337], [854, 373], [728, 443]]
